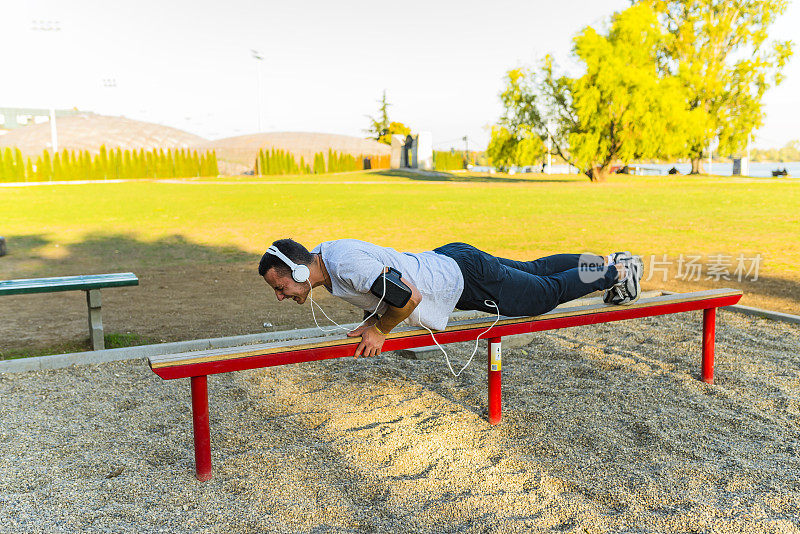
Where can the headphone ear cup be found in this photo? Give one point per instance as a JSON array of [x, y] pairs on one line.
[[301, 273]]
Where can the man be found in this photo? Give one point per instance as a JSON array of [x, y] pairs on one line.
[[456, 275]]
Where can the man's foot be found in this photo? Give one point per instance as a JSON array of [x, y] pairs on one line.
[[627, 290], [616, 258]]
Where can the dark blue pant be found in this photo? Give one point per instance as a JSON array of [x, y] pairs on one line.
[[526, 287]]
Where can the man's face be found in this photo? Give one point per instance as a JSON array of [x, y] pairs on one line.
[[285, 286]]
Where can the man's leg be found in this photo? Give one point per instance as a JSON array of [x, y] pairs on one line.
[[522, 293], [557, 263], [518, 292]]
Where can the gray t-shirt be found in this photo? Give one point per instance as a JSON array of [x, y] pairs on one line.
[[354, 265]]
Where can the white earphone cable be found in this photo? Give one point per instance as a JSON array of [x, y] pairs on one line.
[[419, 320], [338, 326], [474, 351]]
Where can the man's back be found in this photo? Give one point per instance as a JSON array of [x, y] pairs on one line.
[[353, 266]]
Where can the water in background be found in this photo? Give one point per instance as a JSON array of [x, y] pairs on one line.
[[757, 170]]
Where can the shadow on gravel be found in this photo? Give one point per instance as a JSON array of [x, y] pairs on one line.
[[437, 176]]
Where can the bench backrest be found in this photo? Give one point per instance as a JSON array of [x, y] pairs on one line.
[[67, 283], [205, 362]]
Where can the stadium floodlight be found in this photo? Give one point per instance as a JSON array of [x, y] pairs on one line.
[[49, 26], [259, 58]]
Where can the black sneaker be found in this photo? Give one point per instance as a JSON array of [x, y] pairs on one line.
[[614, 258], [627, 290]]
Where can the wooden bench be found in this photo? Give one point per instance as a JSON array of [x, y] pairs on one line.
[[91, 284], [199, 364]]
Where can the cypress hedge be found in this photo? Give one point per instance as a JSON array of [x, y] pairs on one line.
[[106, 165]]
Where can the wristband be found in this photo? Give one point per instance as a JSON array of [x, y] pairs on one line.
[[381, 332]]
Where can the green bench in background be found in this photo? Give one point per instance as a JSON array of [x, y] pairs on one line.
[[91, 284]]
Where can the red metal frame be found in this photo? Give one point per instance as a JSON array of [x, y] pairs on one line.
[[495, 366], [202, 433], [198, 371], [424, 339], [709, 331]]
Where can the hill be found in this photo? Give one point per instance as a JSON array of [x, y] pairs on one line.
[[237, 154], [88, 131]]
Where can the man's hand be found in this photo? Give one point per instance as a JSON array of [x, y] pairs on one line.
[[371, 340]]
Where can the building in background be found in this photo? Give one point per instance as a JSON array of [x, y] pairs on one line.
[[13, 118]]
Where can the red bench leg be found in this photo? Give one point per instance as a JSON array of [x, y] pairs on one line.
[[495, 364], [707, 370], [202, 435]]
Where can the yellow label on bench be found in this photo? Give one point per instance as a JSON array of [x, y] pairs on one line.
[[495, 358]]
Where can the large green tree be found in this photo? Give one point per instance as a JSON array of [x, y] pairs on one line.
[[515, 140], [508, 148], [623, 107], [720, 52]]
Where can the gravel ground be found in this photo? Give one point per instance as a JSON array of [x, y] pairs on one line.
[[606, 428]]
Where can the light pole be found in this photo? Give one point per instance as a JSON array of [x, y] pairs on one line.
[[259, 58], [49, 26]]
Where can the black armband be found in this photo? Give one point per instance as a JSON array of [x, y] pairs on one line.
[[397, 292]]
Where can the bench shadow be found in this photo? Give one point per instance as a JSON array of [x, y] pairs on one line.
[[439, 176], [35, 255]]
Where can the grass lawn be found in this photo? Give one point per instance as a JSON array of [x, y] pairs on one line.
[[508, 215]]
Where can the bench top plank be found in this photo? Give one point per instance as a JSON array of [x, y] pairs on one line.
[[409, 337], [67, 283]]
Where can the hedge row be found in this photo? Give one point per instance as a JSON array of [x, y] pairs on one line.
[[448, 160], [106, 165], [277, 161]]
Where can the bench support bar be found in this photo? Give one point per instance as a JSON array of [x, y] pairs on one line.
[[495, 365], [202, 435], [95, 319], [709, 329]]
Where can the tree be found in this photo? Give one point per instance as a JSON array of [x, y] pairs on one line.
[[58, 172], [19, 165], [622, 107], [46, 168], [719, 52], [502, 148], [103, 163], [395, 128], [319, 163], [5, 172], [381, 128], [127, 165], [213, 166], [507, 149]]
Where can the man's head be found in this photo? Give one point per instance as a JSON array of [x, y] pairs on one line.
[[279, 275]]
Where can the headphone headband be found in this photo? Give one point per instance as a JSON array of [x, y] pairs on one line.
[[300, 273]]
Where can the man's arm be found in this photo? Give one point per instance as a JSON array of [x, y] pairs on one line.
[[373, 335]]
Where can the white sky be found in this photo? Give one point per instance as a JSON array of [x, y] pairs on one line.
[[187, 64]]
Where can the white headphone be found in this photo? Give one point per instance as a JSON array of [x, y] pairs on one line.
[[300, 273]]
